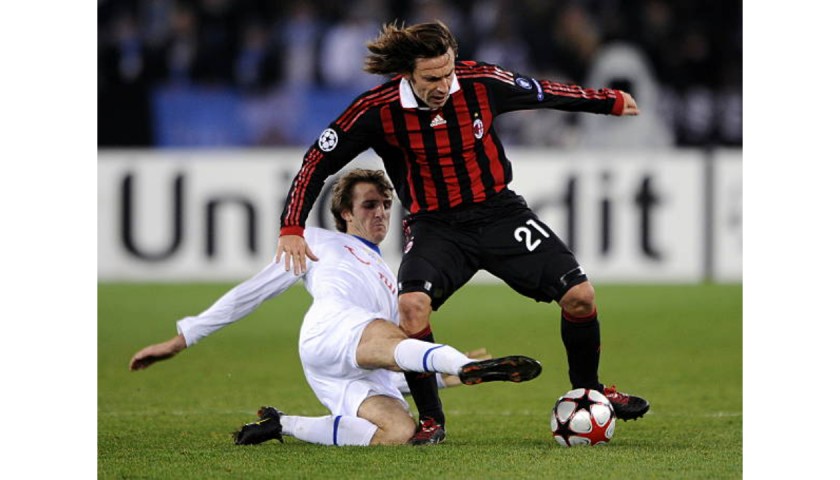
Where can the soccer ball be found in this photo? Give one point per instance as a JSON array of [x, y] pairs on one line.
[[582, 417]]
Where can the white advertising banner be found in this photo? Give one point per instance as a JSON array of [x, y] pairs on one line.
[[199, 215], [727, 216], [629, 217], [213, 216]]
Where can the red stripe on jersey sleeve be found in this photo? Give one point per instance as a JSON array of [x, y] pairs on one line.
[[354, 108], [376, 103], [486, 71], [349, 117], [563, 90], [301, 185], [575, 91]]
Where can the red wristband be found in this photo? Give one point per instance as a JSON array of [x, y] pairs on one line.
[[618, 106], [291, 230]]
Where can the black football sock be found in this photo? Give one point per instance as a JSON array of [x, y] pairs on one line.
[[582, 338], [424, 387]]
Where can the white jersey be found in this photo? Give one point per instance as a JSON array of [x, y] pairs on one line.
[[348, 273], [351, 285]]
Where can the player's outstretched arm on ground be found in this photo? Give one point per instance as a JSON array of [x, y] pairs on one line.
[[157, 352], [234, 305], [296, 250]]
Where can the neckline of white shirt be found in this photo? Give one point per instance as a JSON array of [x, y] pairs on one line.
[[370, 244]]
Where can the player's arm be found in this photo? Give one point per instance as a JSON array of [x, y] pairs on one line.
[[629, 107], [334, 149], [237, 303], [514, 91], [157, 352]]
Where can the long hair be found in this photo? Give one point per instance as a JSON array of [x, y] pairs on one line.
[[342, 192], [398, 47]]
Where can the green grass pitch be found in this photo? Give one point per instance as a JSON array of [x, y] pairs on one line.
[[680, 346]]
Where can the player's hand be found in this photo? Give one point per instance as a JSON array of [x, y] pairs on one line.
[[157, 352], [630, 107], [479, 354], [296, 252]]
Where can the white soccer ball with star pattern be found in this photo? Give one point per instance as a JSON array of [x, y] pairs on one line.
[[582, 417]]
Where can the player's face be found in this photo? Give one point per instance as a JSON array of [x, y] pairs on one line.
[[432, 78], [371, 213]]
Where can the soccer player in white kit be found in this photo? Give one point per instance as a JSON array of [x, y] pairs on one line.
[[350, 340]]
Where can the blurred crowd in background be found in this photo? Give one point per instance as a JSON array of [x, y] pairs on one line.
[[262, 73]]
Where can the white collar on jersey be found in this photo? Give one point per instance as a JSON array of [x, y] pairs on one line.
[[408, 100]]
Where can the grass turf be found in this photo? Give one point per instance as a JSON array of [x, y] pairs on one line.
[[680, 346]]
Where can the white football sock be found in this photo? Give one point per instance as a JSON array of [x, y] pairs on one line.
[[329, 430], [419, 356]]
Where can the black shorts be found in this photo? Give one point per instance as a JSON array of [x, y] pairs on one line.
[[502, 236]]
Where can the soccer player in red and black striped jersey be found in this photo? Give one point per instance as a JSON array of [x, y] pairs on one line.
[[432, 125]]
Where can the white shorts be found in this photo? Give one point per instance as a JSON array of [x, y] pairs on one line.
[[329, 337]]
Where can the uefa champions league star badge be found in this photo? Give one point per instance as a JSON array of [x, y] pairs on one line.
[[328, 140], [524, 83]]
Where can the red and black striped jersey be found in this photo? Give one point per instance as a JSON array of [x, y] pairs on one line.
[[437, 159]]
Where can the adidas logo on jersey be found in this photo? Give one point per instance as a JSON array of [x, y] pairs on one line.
[[438, 120]]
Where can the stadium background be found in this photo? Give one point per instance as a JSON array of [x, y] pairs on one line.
[[208, 96], [232, 72], [222, 98]]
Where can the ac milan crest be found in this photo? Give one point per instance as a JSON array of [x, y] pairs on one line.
[[478, 128]]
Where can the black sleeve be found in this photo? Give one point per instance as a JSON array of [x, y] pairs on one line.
[[333, 149], [513, 91]]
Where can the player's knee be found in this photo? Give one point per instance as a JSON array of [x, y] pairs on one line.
[[405, 430], [579, 301], [397, 432], [382, 331], [415, 309], [377, 343]]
